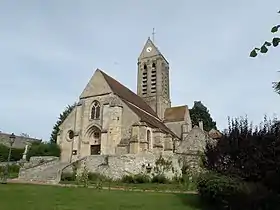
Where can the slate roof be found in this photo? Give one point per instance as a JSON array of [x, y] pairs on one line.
[[175, 114], [136, 104], [20, 141]]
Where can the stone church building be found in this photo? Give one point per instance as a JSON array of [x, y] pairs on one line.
[[110, 119]]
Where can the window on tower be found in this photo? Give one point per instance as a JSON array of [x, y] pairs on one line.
[[153, 65], [144, 82], [145, 67]]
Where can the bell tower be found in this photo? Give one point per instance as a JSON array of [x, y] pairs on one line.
[[153, 78]]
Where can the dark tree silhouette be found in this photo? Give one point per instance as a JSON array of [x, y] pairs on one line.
[[200, 112], [62, 117]]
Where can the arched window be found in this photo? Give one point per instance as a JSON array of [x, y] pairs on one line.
[[145, 67], [154, 65], [95, 110]]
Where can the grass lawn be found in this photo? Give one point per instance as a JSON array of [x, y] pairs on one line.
[[36, 197], [143, 186]]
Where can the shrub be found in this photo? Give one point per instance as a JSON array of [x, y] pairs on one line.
[[43, 149], [136, 179], [16, 154], [141, 178], [97, 177], [127, 179], [66, 176], [223, 192], [161, 179], [13, 168]]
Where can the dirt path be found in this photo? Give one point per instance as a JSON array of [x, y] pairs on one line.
[[103, 188]]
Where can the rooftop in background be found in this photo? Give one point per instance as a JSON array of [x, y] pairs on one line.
[[20, 141]]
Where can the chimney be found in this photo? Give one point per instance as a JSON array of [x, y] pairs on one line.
[[200, 125]]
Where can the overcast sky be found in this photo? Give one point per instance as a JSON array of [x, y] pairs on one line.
[[50, 49]]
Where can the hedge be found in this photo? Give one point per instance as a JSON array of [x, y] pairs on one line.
[[226, 192], [16, 153]]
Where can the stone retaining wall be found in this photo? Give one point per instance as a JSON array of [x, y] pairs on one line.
[[117, 166]]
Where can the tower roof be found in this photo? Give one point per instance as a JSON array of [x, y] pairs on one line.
[[150, 50]]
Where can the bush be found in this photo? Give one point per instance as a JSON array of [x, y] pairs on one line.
[[16, 154], [68, 176], [43, 149], [136, 179], [161, 179], [221, 191], [97, 177], [141, 178], [127, 179]]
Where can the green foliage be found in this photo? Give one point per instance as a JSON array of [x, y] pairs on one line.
[[136, 179], [252, 155], [68, 176], [60, 120], [43, 149], [160, 178], [200, 113], [83, 178], [16, 154], [264, 49], [223, 192], [13, 168]]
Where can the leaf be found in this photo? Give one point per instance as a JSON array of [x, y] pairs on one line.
[[267, 43], [264, 49], [275, 29], [253, 53], [276, 41]]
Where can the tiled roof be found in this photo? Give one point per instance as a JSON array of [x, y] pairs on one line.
[[175, 114], [136, 104]]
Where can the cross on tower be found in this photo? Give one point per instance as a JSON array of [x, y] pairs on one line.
[[153, 35]]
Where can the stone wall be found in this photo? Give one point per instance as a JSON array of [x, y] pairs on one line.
[[116, 167], [39, 160]]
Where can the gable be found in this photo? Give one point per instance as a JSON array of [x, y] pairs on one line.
[[154, 51], [97, 85], [69, 121]]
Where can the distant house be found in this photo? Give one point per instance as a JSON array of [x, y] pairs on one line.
[[20, 141]]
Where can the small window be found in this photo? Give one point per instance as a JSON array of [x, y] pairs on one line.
[[70, 134], [145, 66], [153, 65]]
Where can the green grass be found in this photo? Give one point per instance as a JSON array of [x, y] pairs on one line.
[[143, 186], [36, 197]]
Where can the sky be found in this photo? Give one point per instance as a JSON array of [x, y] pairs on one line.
[[50, 49]]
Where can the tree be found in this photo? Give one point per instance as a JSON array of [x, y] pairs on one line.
[[200, 113], [252, 154], [43, 149], [264, 49], [243, 167], [61, 118]]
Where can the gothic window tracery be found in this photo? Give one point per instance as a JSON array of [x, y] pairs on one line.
[[95, 110]]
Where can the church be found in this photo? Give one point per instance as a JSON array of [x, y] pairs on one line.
[[110, 119]]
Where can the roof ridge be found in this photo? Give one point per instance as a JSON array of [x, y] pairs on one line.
[[117, 91]]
